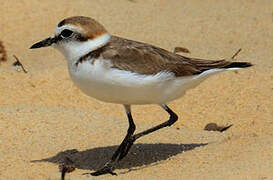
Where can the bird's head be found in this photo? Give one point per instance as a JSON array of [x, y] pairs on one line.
[[76, 36]]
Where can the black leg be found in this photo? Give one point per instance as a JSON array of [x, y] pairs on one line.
[[129, 139], [173, 118], [109, 166]]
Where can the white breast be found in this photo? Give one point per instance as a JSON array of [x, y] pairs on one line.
[[112, 85]]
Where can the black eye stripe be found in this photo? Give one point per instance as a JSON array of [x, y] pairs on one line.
[[81, 38], [66, 33]]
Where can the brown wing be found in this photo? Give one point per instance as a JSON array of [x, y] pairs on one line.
[[147, 59]]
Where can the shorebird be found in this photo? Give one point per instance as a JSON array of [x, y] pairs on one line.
[[122, 71]]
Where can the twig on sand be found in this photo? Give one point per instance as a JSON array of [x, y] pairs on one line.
[[18, 63], [237, 52]]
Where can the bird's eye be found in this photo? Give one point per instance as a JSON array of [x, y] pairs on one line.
[[66, 33]]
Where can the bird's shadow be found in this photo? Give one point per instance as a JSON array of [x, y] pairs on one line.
[[139, 155]]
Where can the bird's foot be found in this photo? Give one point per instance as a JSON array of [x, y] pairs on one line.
[[107, 168]]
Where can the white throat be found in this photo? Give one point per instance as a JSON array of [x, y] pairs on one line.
[[73, 50]]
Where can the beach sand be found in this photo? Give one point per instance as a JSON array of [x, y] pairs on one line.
[[45, 118]]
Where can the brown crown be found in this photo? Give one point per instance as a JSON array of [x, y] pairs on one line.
[[89, 26]]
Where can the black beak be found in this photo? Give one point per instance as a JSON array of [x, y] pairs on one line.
[[44, 43]]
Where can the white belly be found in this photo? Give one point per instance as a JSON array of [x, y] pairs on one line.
[[112, 85]]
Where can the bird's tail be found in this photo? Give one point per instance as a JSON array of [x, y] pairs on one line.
[[238, 65], [204, 65]]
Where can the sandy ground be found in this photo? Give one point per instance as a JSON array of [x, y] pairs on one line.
[[44, 117]]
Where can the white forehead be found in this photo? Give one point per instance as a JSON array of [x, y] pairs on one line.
[[71, 27]]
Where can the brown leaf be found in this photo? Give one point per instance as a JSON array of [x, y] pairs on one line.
[[181, 49]]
